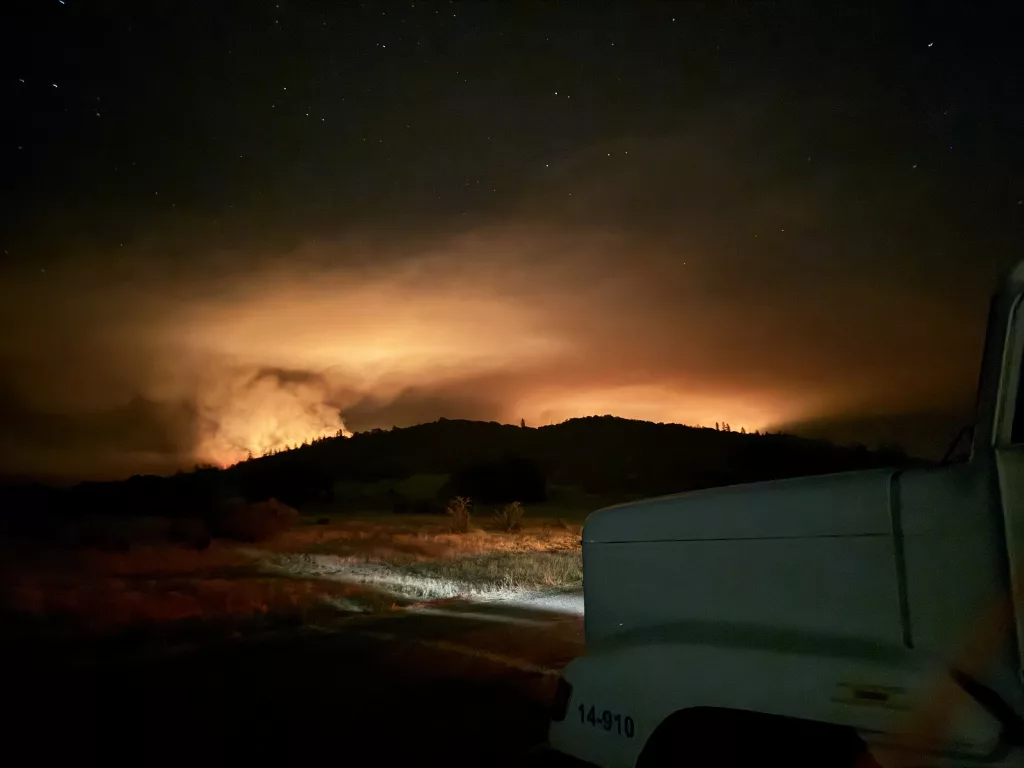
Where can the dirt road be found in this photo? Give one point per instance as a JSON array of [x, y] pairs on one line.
[[451, 684]]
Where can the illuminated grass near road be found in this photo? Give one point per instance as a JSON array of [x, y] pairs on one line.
[[495, 575], [510, 570], [306, 574]]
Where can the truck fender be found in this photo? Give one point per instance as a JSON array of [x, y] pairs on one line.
[[650, 683]]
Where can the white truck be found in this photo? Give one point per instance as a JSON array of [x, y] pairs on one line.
[[831, 620]]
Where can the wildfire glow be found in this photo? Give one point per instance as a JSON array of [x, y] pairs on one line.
[[285, 359], [264, 415], [503, 325], [655, 403]]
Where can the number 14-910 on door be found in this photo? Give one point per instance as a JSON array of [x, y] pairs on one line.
[[612, 722]]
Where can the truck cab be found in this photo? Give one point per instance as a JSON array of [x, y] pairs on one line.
[[829, 620]]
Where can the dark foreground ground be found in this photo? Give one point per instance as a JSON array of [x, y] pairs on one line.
[[456, 685]]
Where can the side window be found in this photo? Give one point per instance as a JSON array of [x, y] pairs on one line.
[[1017, 429]]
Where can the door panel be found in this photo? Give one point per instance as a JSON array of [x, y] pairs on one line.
[[1008, 439], [1010, 462]]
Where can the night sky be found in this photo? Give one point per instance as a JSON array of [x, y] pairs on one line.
[[228, 227]]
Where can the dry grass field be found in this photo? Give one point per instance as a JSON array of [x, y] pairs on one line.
[[311, 571]]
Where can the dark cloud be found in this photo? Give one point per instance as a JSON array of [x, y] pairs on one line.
[[929, 434], [139, 436], [416, 406]]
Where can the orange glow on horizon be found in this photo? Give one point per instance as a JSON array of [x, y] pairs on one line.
[[655, 403], [285, 359], [499, 325]]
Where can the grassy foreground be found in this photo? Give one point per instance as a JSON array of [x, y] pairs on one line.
[[510, 570], [420, 558], [305, 574]]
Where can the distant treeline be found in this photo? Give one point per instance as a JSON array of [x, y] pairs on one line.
[[486, 461]]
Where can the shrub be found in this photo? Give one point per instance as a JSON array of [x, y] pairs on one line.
[[189, 531], [499, 481], [458, 508], [429, 507], [510, 516], [400, 503], [253, 522], [102, 534]]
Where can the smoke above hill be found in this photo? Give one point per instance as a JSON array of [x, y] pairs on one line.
[[687, 278], [161, 369]]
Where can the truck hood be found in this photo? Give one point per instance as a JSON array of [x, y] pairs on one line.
[[844, 504]]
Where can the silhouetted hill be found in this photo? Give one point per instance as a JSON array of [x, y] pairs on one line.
[[601, 454]]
